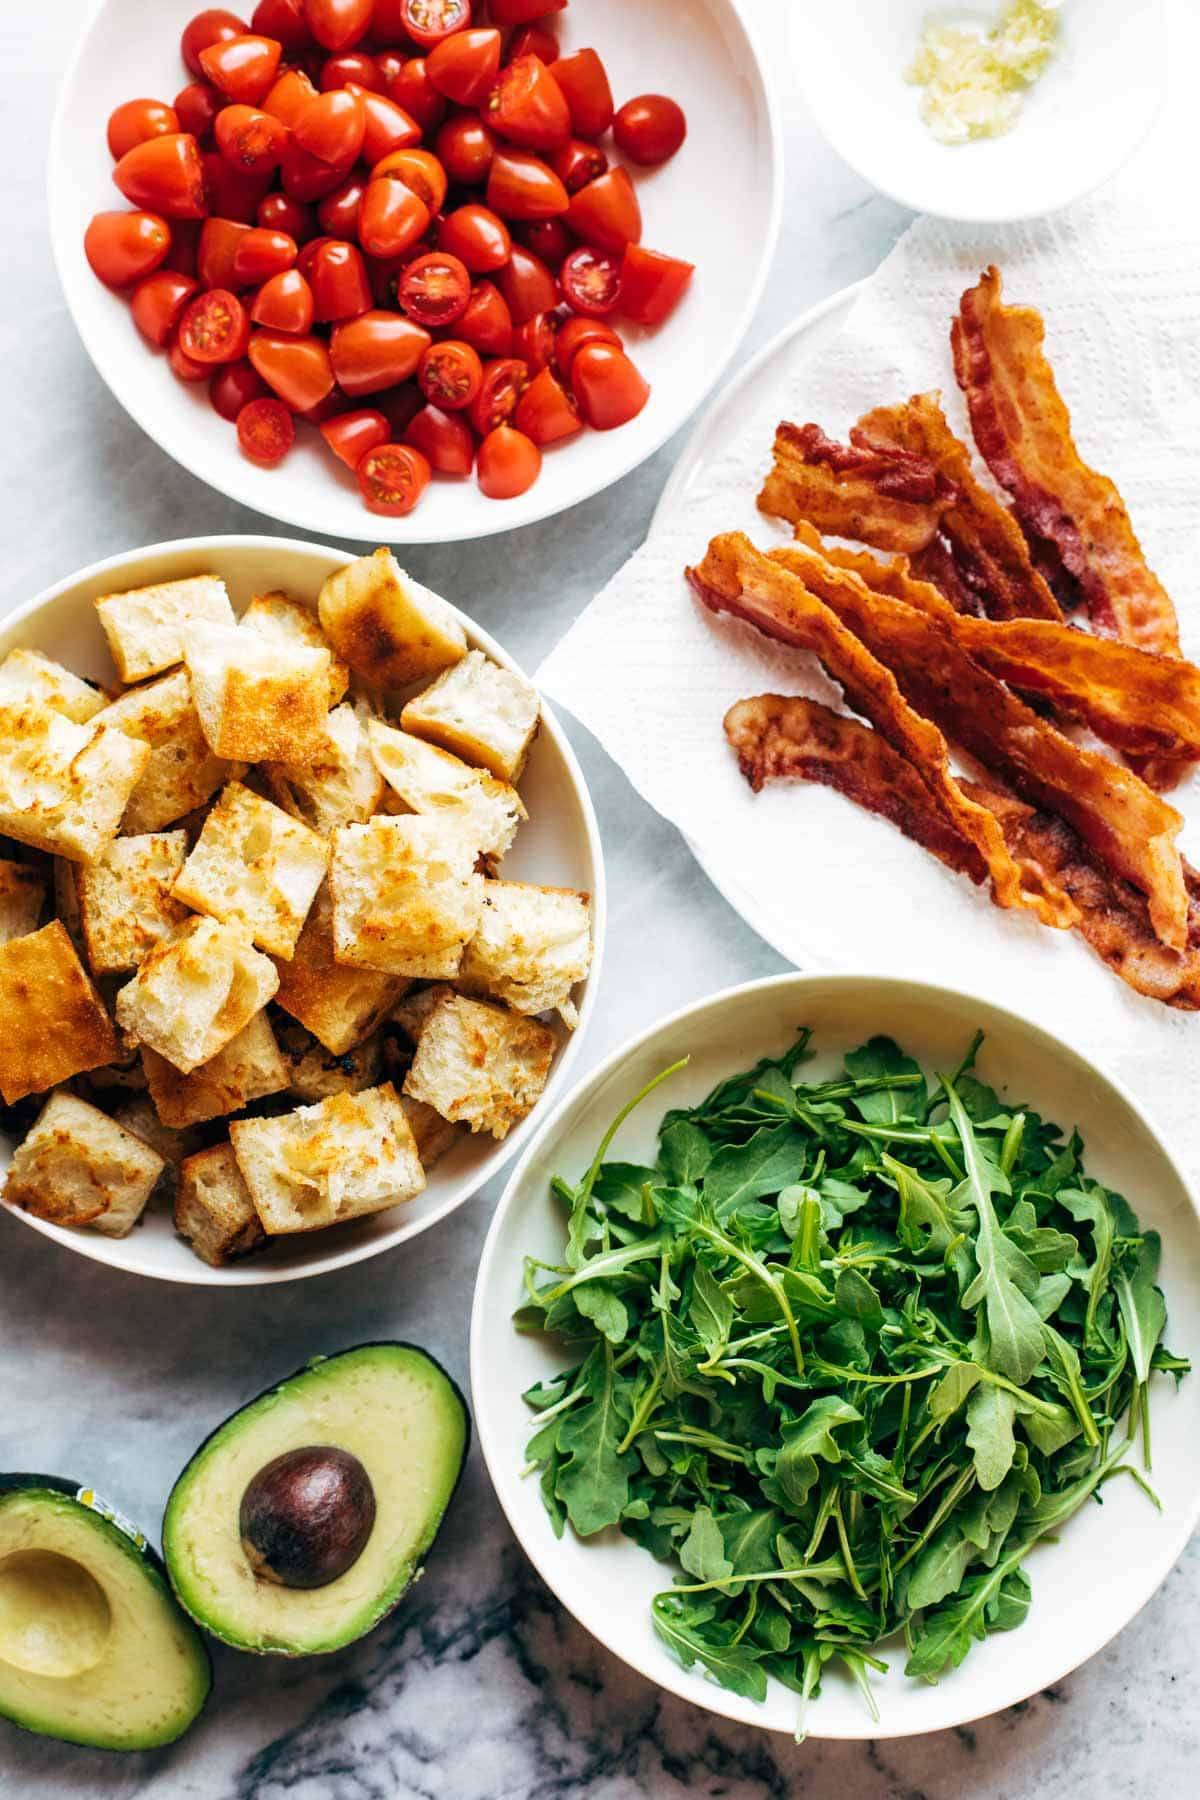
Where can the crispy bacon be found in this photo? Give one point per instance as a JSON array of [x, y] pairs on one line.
[[882, 496], [1023, 430]]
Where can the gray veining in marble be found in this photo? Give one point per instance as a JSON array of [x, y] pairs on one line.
[[480, 1687]]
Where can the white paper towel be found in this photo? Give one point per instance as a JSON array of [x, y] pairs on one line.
[[651, 674]]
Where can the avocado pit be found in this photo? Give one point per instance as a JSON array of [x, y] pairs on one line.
[[305, 1518]]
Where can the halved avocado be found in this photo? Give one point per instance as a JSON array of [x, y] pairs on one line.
[[93, 1648], [300, 1522]]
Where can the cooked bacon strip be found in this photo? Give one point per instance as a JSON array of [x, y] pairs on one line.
[[884, 497], [1023, 430], [736, 578]]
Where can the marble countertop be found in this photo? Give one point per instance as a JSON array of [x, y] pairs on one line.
[[480, 1687]]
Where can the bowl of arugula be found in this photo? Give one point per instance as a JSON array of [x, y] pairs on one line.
[[809, 1334]]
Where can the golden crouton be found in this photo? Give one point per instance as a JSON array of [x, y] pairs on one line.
[[195, 992], [249, 1067], [481, 1066], [289, 621], [431, 781], [55, 1023], [389, 628], [213, 1208], [533, 944], [182, 772], [63, 786], [314, 1073], [125, 904], [433, 1135], [258, 698], [79, 1167], [28, 675], [145, 626], [22, 896], [478, 711], [406, 897], [341, 786], [347, 1156], [340, 1005], [257, 866]]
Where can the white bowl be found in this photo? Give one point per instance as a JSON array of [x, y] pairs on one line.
[[1078, 123], [558, 846], [1108, 1560], [717, 203]]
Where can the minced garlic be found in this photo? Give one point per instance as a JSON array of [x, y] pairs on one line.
[[974, 79]]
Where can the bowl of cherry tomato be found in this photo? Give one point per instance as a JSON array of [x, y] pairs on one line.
[[459, 264]]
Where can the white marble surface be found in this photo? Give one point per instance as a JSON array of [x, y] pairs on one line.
[[479, 1688]]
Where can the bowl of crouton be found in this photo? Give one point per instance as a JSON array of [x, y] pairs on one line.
[[301, 909]]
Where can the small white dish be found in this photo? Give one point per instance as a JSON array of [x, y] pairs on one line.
[[1108, 1560], [558, 846], [1078, 124], [717, 204]]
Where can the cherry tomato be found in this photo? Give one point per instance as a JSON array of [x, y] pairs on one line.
[[528, 107], [338, 24], [244, 68], [183, 366], [388, 127], [357, 66], [233, 387], [652, 285], [338, 212], [649, 129], [332, 127], [412, 89], [606, 211], [546, 412], [285, 20], [477, 237], [266, 431], [213, 26], [157, 302], [338, 278], [387, 26], [217, 249], [434, 290], [508, 463], [134, 121], [331, 407], [261, 254], [584, 83], [309, 254], [527, 285], [305, 177], [298, 369], [391, 219], [520, 12], [504, 381], [521, 186], [233, 193], [393, 477], [465, 147], [122, 247], [420, 171], [350, 435], [463, 67], [450, 374], [250, 139], [164, 175], [549, 239], [577, 163], [196, 107], [487, 322], [447, 444], [427, 22], [279, 212], [608, 389], [287, 98], [576, 331], [215, 327], [534, 40], [284, 303], [591, 281], [535, 341], [185, 243], [375, 351]]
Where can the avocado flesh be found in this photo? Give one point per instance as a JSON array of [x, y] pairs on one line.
[[93, 1648], [389, 1405]]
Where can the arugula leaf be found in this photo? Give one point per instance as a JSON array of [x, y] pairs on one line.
[[702, 1551], [593, 1481], [881, 1056], [768, 1162], [990, 1414], [737, 1667], [711, 1310], [1090, 1206]]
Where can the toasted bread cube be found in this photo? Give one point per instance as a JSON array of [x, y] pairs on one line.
[[349, 1155], [389, 628], [478, 711], [532, 946], [125, 903], [137, 1114], [314, 1073], [258, 698], [145, 626], [213, 1208], [340, 1005], [249, 1067], [341, 786], [55, 1023], [289, 621], [182, 772], [195, 992], [63, 786], [432, 1134], [481, 1066], [431, 781], [406, 898], [22, 896], [28, 675], [411, 1013], [257, 866], [66, 902], [79, 1167]]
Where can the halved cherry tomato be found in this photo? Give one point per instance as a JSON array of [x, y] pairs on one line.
[[577, 163], [184, 367], [244, 68], [287, 98], [478, 237], [338, 212], [487, 322], [393, 477], [521, 186], [465, 149], [284, 303], [338, 278], [576, 331], [419, 170], [338, 24], [185, 242], [504, 381], [534, 40], [212, 26], [443, 439], [250, 139], [534, 341], [528, 107], [215, 327], [351, 434], [157, 302], [549, 239], [235, 386], [164, 175], [391, 219], [279, 212], [233, 193], [464, 67], [546, 412], [508, 463], [519, 12], [357, 66], [135, 121], [285, 20], [261, 254], [434, 290], [450, 374], [305, 177], [591, 281], [266, 431], [527, 285], [388, 127], [375, 351], [122, 247], [196, 107], [332, 127], [652, 285], [583, 81], [606, 211], [427, 22], [608, 389], [215, 253], [298, 369], [412, 89], [649, 129]]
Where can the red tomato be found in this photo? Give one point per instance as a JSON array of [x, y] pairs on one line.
[[606, 211], [546, 412], [298, 369], [338, 278], [427, 22], [287, 98], [157, 302], [443, 439], [122, 247], [332, 126], [412, 89], [420, 171], [375, 351], [584, 83], [219, 239], [134, 121], [434, 290], [591, 281], [534, 342], [477, 237], [388, 27], [213, 26], [392, 218], [309, 254], [450, 374], [463, 67], [352, 434], [504, 381], [338, 212], [577, 163], [393, 477], [487, 322], [534, 40], [400, 406], [196, 106], [649, 129], [183, 367], [388, 127], [305, 177], [279, 212], [235, 386], [508, 463], [465, 147], [652, 285], [261, 254], [608, 389], [244, 68], [528, 107], [576, 331], [519, 12], [164, 175], [185, 242], [356, 66], [338, 24], [521, 186], [331, 407], [250, 139], [266, 431], [284, 303], [215, 327], [527, 285], [233, 193], [282, 19], [549, 239]]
